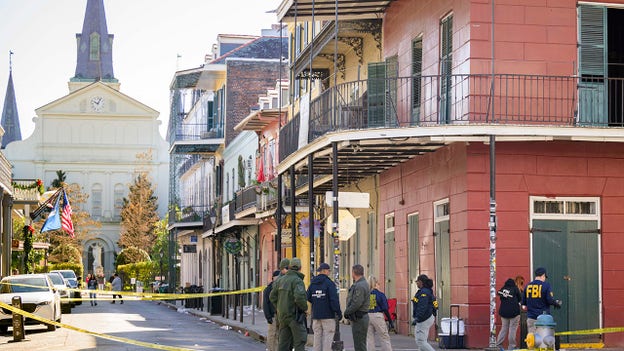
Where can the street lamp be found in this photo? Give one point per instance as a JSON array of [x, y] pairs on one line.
[[161, 253]]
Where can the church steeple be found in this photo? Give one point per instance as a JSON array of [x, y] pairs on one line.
[[95, 47], [10, 118]]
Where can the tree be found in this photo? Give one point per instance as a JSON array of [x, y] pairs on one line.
[[138, 215], [131, 255], [60, 179]]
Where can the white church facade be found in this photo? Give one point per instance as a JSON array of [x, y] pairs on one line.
[[94, 134]]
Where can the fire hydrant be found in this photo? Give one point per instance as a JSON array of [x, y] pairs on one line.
[[544, 336]]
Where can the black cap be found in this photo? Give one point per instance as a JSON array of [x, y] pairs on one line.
[[541, 271], [276, 273], [322, 266]]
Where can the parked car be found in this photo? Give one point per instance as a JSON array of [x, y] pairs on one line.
[[71, 277], [62, 287], [39, 297]]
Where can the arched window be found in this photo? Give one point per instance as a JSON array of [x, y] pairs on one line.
[[96, 201], [119, 195], [94, 47]]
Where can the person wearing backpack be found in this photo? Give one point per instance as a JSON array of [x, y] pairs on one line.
[[509, 311], [423, 309]]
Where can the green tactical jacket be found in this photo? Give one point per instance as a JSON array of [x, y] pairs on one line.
[[358, 298], [288, 295]]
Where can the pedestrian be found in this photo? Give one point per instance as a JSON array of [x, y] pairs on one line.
[[519, 280], [283, 266], [116, 287], [323, 295], [269, 314], [509, 311], [289, 297], [358, 302], [377, 324], [537, 298], [423, 311], [100, 281], [92, 285]]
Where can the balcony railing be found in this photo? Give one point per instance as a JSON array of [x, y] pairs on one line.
[[187, 214], [190, 131], [444, 100], [245, 199]]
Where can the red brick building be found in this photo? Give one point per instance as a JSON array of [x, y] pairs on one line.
[[546, 87]]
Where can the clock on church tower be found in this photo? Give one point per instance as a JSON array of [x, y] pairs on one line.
[[97, 103]]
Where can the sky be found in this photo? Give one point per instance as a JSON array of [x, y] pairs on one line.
[[153, 40]]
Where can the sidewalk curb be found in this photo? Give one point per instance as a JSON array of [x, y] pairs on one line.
[[252, 333]]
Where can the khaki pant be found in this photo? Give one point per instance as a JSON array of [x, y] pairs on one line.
[[377, 324], [272, 336], [421, 333], [324, 330]]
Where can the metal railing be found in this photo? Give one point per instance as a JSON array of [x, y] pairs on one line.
[[460, 99], [195, 131], [245, 198], [186, 214]]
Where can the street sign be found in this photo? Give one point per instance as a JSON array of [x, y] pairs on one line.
[[346, 225], [348, 199]]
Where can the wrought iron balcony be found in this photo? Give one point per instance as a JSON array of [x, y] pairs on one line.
[[187, 215], [195, 138], [246, 198], [441, 101]]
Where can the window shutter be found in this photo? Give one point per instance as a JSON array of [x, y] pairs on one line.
[[376, 93], [592, 45], [392, 72], [416, 79]]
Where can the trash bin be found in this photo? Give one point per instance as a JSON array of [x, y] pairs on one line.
[[216, 302]]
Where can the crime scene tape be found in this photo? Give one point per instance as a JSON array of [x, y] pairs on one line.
[[164, 296], [146, 295], [99, 335], [592, 331]]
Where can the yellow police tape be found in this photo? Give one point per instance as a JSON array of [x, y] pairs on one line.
[[99, 335], [592, 331], [141, 296], [148, 296]]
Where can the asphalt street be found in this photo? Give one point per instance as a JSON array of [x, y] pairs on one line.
[[144, 321]]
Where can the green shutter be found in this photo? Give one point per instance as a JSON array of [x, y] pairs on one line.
[[414, 250], [416, 80], [392, 72], [376, 93], [592, 45], [593, 107], [446, 68]]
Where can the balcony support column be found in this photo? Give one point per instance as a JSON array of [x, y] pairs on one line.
[[335, 227], [311, 211], [278, 219], [293, 212]]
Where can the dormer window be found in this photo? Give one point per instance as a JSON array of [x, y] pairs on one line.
[[94, 46]]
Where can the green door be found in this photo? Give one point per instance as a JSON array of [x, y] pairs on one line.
[[443, 268], [569, 251], [414, 256], [390, 263]]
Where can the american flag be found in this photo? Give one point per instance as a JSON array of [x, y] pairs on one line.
[[66, 221]]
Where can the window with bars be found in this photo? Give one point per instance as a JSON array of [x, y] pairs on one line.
[[96, 201], [119, 196]]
